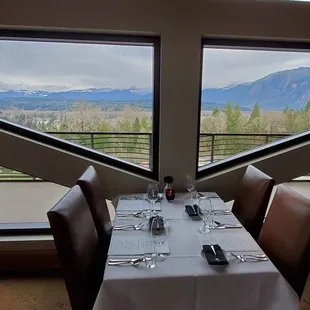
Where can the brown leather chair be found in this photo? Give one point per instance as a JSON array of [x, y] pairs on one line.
[[285, 236], [78, 248], [90, 184], [252, 200]]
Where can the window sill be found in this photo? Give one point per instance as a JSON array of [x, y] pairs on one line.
[[27, 243]]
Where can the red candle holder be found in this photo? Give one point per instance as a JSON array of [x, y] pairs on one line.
[[170, 194]]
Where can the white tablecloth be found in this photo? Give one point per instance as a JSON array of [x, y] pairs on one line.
[[187, 282]]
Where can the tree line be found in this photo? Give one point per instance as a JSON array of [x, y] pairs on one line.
[[86, 117]]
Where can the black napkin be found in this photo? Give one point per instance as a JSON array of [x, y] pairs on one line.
[[190, 210], [211, 257]]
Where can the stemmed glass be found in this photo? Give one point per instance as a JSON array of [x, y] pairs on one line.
[[159, 232], [152, 194], [190, 185], [204, 211], [212, 224]]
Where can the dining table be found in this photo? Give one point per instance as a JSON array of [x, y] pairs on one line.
[[185, 280]]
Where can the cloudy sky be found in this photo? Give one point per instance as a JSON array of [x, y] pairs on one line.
[[223, 67], [62, 66]]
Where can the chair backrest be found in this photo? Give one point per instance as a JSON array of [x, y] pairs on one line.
[[90, 184], [78, 248], [252, 200], [285, 236]]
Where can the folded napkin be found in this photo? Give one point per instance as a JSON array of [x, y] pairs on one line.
[[191, 210], [211, 257]]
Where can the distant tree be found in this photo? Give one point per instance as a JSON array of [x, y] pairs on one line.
[[254, 123], [228, 110], [216, 111], [124, 125], [255, 112], [146, 124], [136, 125], [291, 121], [233, 115], [307, 107]]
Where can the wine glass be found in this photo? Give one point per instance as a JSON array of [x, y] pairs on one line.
[[190, 185], [204, 211], [159, 233], [152, 194]]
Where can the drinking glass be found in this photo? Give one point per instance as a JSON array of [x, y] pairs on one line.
[[204, 211], [211, 224], [159, 232], [150, 258], [152, 194], [190, 185]]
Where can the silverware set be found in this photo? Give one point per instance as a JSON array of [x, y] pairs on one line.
[[132, 261], [129, 227], [221, 212], [133, 197], [250, 257], [139, 214], [226, 225], [208, 195]]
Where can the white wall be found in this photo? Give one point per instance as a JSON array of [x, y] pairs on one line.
[[181, 24]]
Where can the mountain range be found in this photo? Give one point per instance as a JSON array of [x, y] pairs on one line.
[[289, 88]]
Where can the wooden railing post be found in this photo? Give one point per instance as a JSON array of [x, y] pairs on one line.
[[92, 140], [150, 150], [212, 147]]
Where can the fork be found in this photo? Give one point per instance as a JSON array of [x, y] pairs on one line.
[[133, 227], [215, 255]]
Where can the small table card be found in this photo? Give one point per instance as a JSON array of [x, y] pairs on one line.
[[136, 245], [238, 242], [136, 205]]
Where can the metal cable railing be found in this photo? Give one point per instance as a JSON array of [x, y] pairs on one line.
[[217, 146], [137, 147]]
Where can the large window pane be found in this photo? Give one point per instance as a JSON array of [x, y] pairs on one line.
[[98, 95], [251, 97]]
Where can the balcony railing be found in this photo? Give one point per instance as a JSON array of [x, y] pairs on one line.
[[137, 147], [217, 146], [133, 147]]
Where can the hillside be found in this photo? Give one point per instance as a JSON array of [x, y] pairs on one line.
[[274, 92]]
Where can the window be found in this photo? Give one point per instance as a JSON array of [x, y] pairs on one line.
[[96, 91], [24, 200], [253, 93]]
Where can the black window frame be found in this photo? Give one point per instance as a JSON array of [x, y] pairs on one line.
[[96, 38], [256, 153]]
